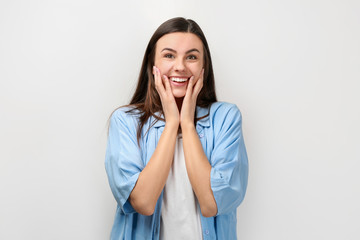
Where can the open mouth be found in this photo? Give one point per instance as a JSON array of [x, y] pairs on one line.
[[179, 79]]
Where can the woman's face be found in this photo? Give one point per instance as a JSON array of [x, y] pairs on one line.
[[179, 56]]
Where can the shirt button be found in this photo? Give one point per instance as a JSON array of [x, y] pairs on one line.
[[201, 135], [206, 232]]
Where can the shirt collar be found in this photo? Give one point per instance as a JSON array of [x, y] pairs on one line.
[[200, 112]]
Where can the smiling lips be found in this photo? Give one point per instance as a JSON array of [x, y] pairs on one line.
[[179, 79]]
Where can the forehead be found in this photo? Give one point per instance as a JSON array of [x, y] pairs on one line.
[[179, 41]]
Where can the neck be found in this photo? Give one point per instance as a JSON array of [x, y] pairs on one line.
[[179, 102]]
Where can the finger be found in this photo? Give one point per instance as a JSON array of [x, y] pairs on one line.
[[199, 84], [166, 82], [189, 89], [158, 83]]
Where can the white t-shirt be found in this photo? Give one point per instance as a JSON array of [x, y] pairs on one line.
[[180, 212]]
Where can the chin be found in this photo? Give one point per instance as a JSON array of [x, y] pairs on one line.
[[179, 94]]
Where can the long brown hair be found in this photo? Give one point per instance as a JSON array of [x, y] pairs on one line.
[[146, 98]]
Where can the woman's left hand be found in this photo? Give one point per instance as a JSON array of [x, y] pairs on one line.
[[187, 113]]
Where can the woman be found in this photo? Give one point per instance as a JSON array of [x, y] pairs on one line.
[[176, 159]]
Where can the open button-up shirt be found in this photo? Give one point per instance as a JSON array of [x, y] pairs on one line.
[[221, 137]]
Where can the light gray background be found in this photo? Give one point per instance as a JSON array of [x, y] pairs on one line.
[[292, 67]]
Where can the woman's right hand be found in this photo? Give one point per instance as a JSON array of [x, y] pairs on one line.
[[168, 102], [152, 178]]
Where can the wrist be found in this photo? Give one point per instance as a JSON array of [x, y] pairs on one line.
[[187, 125], [172, 125]]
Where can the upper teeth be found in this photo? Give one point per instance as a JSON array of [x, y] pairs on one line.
[[175, 79]]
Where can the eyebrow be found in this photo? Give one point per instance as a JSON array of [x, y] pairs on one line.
[[189, 51]]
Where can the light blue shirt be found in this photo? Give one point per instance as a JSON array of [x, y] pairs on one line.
[[221, 137]]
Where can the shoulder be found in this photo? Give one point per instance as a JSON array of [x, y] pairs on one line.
[[224, 110], [225, 121], [126, 115], [126, 112]]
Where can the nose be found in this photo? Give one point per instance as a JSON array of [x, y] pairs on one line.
[[179, 65]]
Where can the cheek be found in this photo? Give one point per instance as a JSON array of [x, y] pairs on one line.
[[196, 70], [163, 66]]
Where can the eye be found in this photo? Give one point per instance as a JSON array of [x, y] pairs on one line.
[[169, 55], [192, 57]]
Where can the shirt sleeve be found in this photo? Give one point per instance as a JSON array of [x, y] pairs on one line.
[[229, 173], [123, 161]]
